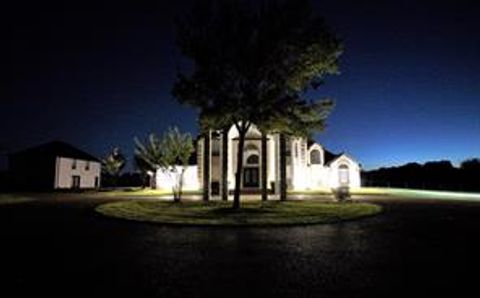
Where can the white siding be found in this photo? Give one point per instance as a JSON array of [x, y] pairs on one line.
[[271, 160], [190, 179], [64, 173], [317, 176], [353, 172], [301, 174]]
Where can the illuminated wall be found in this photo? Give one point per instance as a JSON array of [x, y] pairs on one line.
[[302, 173], [353, 172], [190, 179], [88, 171]]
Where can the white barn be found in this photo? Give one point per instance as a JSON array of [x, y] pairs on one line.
[[309, 165], [54, 166]]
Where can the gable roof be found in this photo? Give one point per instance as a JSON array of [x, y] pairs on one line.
[[54, 149], [310, 142], [330, 157]]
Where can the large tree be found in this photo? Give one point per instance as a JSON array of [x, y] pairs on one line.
[[253, 64]]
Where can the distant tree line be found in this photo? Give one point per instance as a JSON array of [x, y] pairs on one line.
[[441, 175]]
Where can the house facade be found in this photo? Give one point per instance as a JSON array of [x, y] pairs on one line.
[[54, 166], [309, 165]]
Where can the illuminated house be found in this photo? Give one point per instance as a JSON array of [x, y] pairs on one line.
[[309, 165], [55, 165]]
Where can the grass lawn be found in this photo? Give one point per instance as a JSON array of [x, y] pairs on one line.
[[404, 193], [252, 213], [381, 191], [8, 199], [139, 192], [429, 194]]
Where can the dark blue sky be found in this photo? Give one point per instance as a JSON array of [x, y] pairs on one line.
[[409, 88]]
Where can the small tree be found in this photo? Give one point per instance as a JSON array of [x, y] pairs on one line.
[[148, 157], [113, 164], [170, 154]]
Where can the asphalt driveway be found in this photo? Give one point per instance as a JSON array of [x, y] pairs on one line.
[[61, 248]]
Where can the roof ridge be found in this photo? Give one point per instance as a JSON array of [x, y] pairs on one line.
[[57, 148]]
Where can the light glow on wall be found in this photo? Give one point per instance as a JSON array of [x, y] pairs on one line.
[[301, 175], [190, 179]]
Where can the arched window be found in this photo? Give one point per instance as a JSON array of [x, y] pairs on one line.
[[252, 159], [343, 175], [315, 158]]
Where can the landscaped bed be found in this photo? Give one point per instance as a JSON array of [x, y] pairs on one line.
[[252, 213]]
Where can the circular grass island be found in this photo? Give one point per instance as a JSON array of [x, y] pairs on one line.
[[252, 213]]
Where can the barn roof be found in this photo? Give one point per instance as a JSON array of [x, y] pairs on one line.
[[54, 149]]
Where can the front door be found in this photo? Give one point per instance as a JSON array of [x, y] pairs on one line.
[[250, 177], [75, 182]]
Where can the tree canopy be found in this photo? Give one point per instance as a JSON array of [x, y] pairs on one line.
[[255, 63]]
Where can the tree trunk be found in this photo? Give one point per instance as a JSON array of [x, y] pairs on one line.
[[206, 167], [264, 167], [238, 174], [176, 185], [145, 180], [180, 184], [283, 168], [175, 196], [225, 164], [153, 180], [115, 179]]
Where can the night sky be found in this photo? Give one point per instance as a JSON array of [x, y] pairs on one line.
[[409, 88]]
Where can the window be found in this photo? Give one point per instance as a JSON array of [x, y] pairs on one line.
[[252, 159], [343, 175], [87, 165], [74, 164], [315, 158]]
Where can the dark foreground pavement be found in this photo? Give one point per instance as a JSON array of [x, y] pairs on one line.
[[64, 249]]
